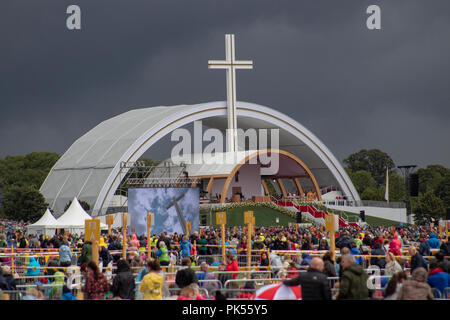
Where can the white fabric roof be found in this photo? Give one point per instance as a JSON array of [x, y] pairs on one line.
[[47, 220], [90, 168], [74, 217]]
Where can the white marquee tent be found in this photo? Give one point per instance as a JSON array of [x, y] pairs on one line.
[[46, 225], [74, 217]]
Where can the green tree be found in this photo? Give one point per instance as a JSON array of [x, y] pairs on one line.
[[362, 180], [431, 176], [24, 203], [372, 193], [30, 169], [374, 161], [426, 207]]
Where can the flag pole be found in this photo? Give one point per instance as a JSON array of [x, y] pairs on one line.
[[386, 193]]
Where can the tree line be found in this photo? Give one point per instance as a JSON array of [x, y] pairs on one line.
[[367, 170]]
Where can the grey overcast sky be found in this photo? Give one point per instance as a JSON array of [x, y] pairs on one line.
[[315, 61]]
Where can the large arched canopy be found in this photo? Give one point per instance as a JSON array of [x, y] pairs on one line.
[[90, 168]]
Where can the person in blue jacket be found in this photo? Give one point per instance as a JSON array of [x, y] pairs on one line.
[[438, 278], [185, 247], [354, 251], [34, 268], [67, 294], [434, 242]]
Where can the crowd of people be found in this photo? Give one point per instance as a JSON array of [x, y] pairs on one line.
[[413, 262]]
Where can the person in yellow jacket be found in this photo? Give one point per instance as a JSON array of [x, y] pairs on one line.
[[152, 284], [102, 243]]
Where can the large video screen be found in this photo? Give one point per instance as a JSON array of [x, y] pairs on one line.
[[171, 207]]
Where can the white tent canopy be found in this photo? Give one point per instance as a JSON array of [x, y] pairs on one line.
[[47, 225], [74, 217]]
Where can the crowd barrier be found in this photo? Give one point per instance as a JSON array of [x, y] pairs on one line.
[[232, 288]]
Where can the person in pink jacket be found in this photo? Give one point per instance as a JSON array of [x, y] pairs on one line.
[[395, 246]]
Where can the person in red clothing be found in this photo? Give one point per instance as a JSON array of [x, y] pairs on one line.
[[395, 246], [291, 268], [232, 264], [96, 283], [247, 291]]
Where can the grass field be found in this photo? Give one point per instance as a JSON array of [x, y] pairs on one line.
[[263, 217]]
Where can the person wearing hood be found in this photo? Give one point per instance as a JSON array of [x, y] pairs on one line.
[[34, 268], [86, 253], [104, 255], [102, 243], [123, 284], [424, 247], [354, 251], [395, 246], [438, 278], [417, 287], [56, 286], [378, 251], [434, 242], [353, 282], [135, 242], [185, 248], [306, 259]]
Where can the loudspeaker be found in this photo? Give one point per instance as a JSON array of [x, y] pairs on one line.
[[362, 215], [447, 216], [203, 220], [414, 185], [299, 217]]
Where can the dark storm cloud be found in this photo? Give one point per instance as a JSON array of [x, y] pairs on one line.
[[314, 60]]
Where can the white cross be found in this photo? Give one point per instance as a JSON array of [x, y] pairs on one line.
[[230, 64]]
